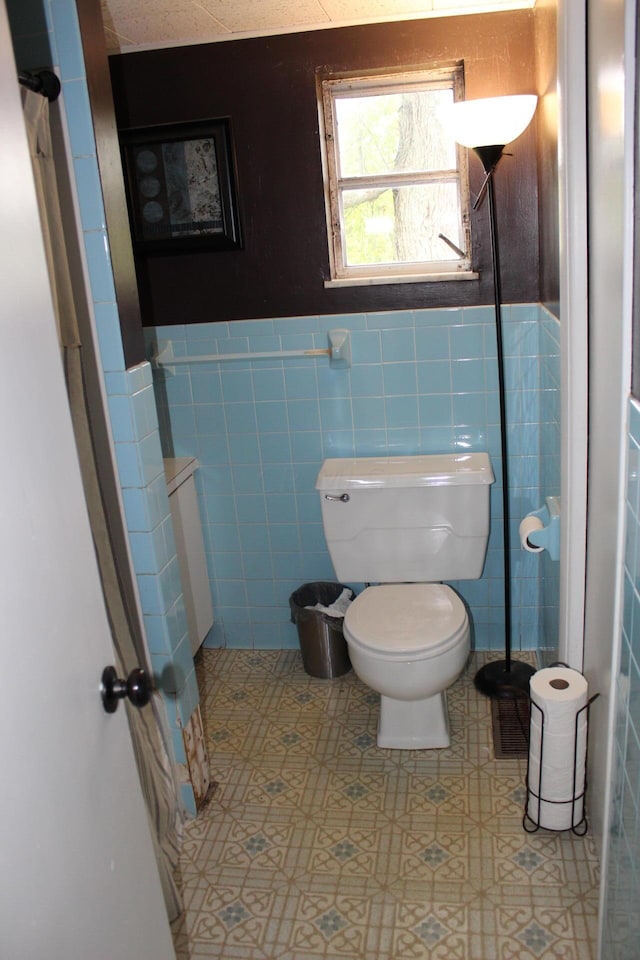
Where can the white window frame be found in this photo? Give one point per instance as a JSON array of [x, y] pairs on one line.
[[333, 88]]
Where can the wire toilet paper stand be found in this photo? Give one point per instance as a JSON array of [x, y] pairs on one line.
[[532, 824]]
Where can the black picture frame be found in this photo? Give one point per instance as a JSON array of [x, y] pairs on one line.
[[181, 187]]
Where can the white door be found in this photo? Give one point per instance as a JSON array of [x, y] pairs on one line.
[[572, 172], [78, 879]]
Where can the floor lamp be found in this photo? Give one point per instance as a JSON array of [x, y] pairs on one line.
[[486, 126]]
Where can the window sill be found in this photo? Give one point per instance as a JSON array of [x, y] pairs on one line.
[[406, 278]]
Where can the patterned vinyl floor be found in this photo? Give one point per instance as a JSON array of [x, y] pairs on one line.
[[318, 844]]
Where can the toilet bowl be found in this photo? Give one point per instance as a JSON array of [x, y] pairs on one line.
[[407, 524], [409, 642]]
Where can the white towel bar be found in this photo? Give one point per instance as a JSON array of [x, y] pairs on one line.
[[339, 353]]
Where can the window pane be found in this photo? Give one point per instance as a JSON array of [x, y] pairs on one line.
[[398, 132], [401, 225]]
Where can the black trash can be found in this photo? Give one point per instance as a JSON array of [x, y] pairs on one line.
[[322, 644]]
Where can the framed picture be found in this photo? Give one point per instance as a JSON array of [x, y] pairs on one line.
[[181, 187]]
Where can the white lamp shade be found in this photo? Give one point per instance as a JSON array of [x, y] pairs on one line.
[[491, 121]]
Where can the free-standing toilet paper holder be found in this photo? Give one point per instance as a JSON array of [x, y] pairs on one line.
[[529, 823], [549, 537]]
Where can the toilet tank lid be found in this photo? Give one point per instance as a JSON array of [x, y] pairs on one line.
[[428, 470]]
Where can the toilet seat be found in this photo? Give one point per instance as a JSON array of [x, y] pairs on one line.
[[407, 620]]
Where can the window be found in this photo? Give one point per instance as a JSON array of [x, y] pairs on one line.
[[397, 193]]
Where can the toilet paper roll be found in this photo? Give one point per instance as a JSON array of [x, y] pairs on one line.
[[557, 748], [527, 526]]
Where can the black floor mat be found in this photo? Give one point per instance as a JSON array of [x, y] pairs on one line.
[[510, 720]]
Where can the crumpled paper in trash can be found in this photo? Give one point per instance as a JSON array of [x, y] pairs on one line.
[[338, 608]]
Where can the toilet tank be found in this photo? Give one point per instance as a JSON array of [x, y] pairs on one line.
[[406, 519]]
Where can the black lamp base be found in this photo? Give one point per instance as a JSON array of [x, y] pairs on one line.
[[495, 680]]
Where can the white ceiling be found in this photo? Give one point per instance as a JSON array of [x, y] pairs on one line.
[[149, 24]]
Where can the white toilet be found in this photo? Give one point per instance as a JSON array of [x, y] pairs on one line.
[[405, 523]]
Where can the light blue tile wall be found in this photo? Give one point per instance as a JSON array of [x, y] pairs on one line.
[[622, 919], [422, 381], [46, 32]]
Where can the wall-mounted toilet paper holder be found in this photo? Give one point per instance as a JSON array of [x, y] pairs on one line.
[[548, 538]]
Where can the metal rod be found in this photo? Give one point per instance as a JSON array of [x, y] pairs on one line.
[[221, 357], [501, 678], [450, 243], [497, 294]]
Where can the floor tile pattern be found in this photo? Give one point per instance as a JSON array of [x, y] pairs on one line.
[[315, 843]]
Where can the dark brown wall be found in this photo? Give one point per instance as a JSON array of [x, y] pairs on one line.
[[267, 87]]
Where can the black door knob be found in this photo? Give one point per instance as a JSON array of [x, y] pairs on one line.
[[137, 687]]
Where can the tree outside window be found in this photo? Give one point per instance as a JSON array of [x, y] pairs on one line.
[[397, 195]]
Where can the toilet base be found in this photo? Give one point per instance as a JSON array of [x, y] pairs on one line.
[[414, 724]]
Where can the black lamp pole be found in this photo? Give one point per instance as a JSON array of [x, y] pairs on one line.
[[500, 678]]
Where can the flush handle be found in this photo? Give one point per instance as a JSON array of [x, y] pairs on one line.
[[137, 687], [344, 497]]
